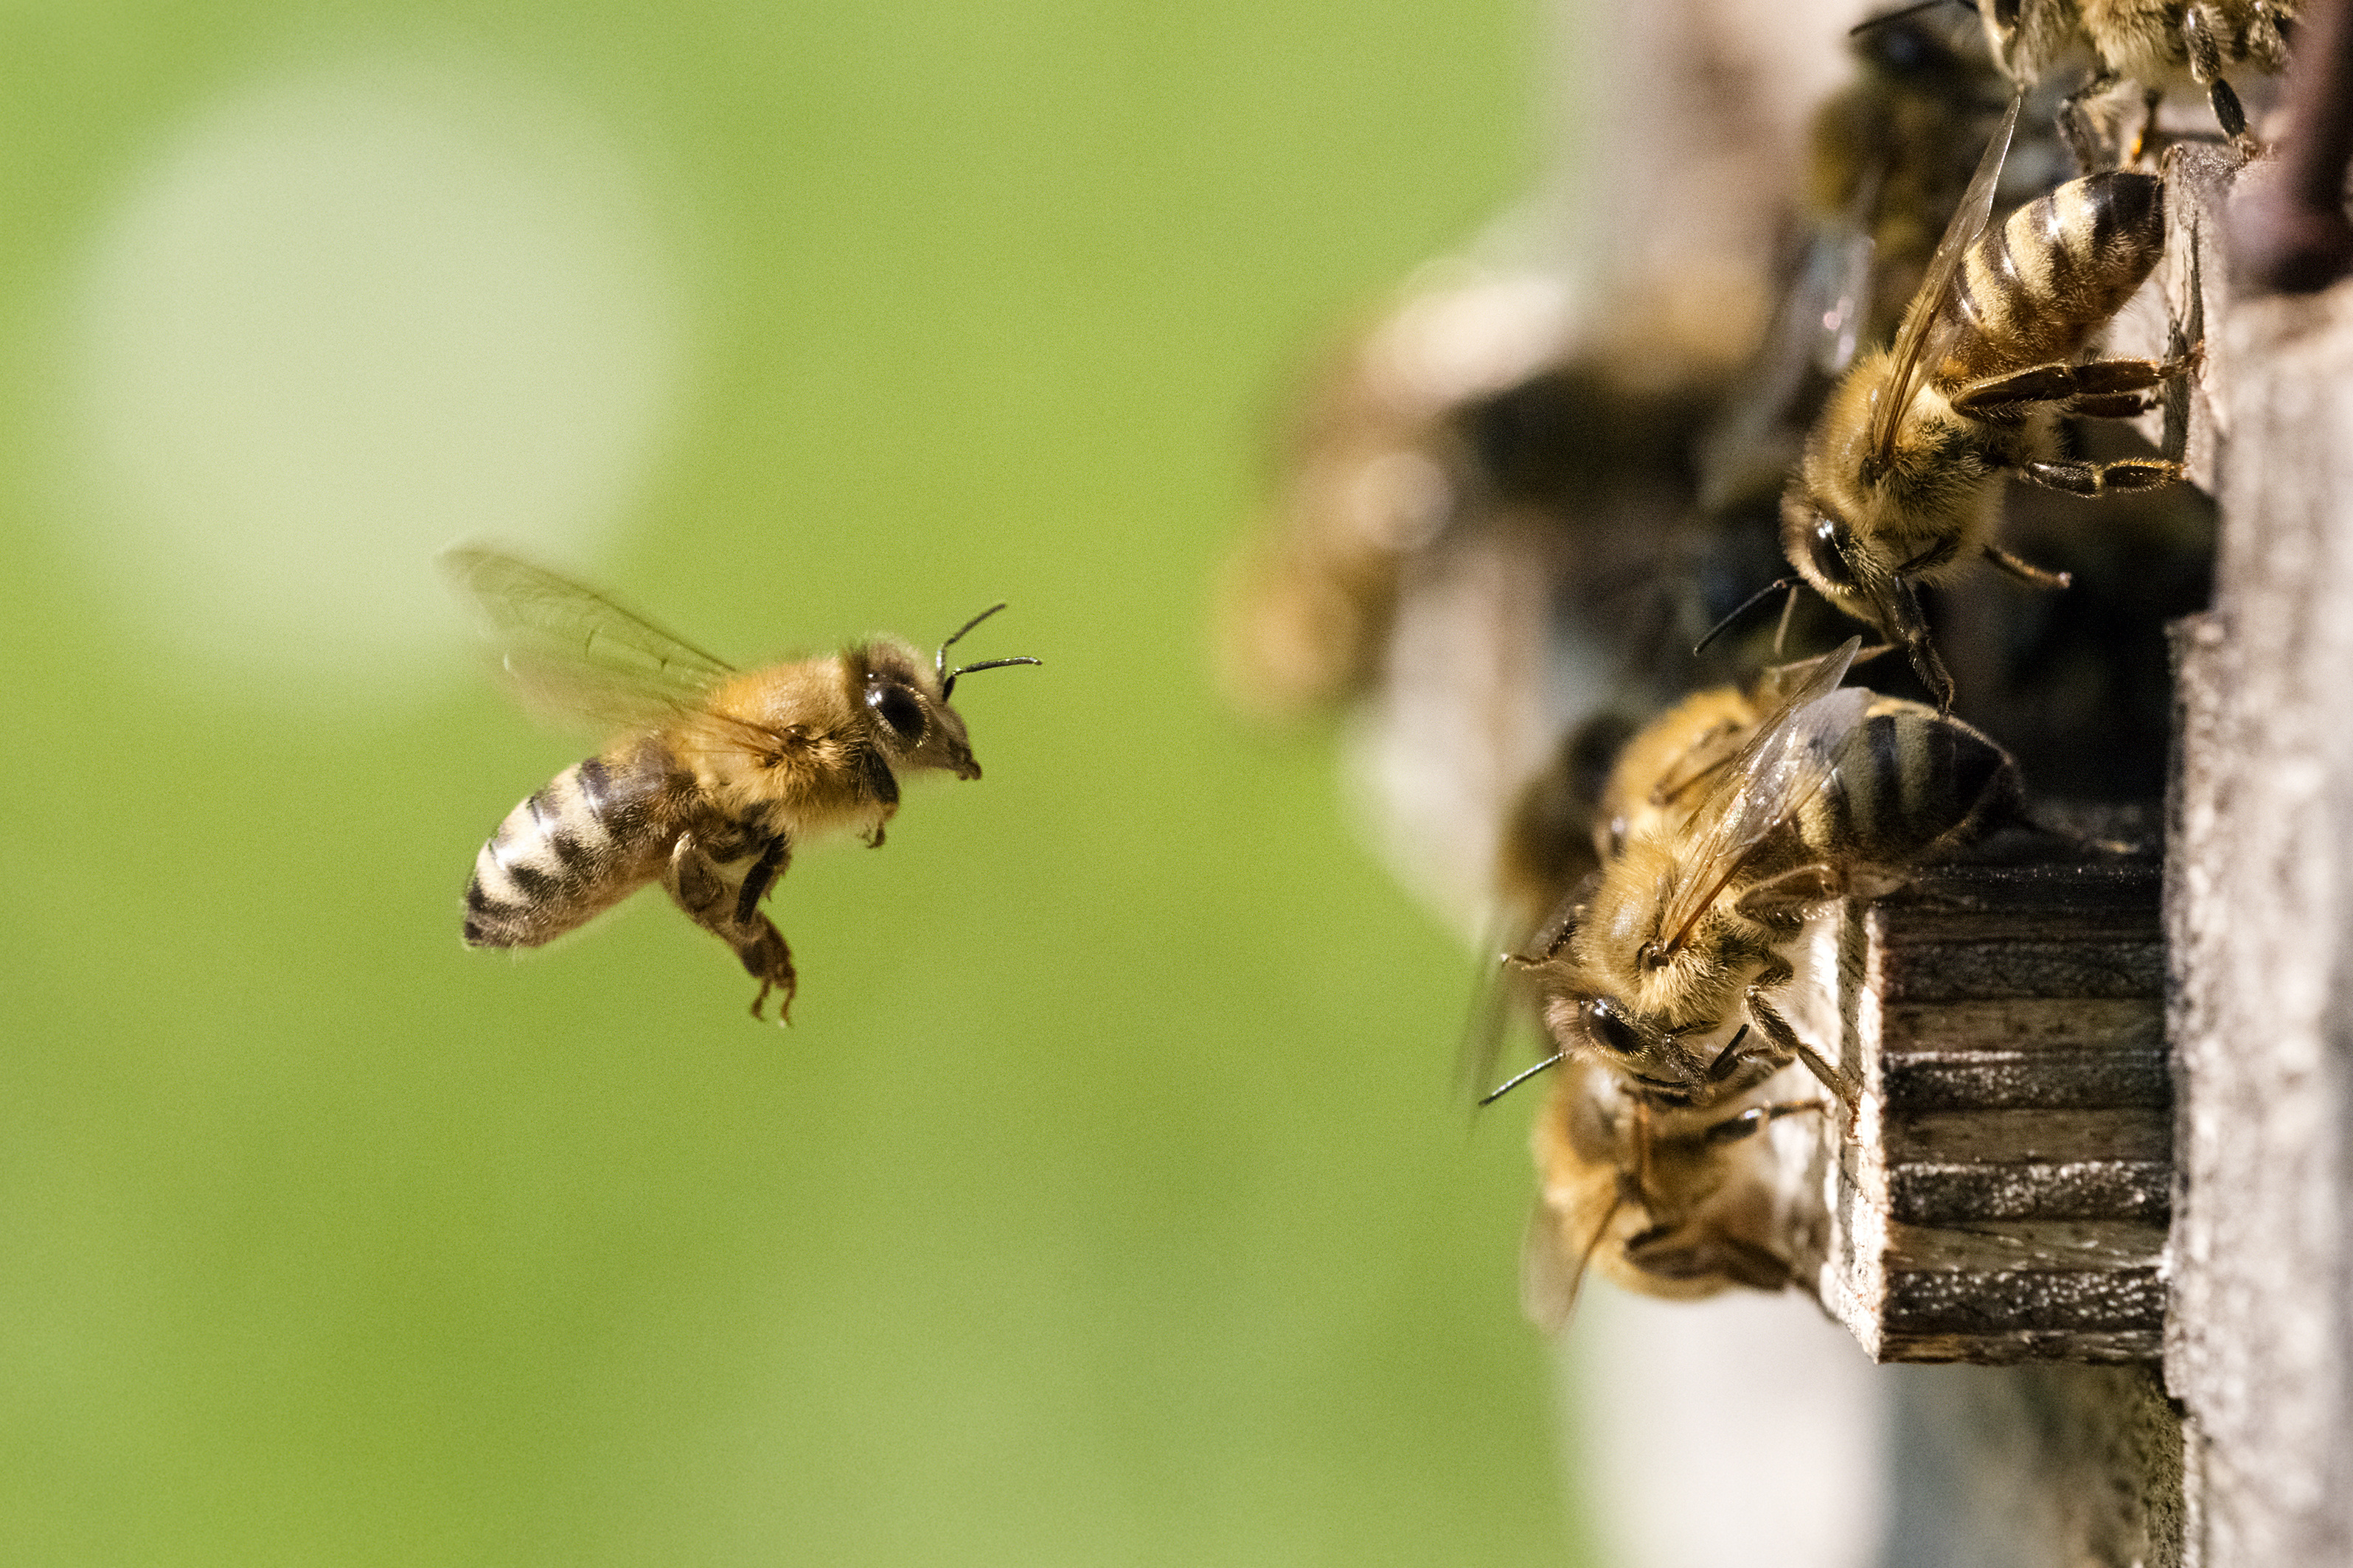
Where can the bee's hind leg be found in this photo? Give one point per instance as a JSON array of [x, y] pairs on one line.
[[770, 962], [2198, 22], [729, 911], [2125, 474], [2101, 388]]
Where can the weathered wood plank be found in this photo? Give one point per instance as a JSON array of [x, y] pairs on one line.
[[2005, 1196], [2260, 1343]]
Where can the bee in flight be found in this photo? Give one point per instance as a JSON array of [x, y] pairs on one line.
[[1668, 965], [1901, 477], [1671, 1200], [715, 774]]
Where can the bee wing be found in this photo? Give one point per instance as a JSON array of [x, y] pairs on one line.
[[1928, 319], [574, 656], [1814, 335], [1785, 764], [1550, 1274]]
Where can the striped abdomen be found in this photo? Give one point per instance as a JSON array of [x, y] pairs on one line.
[[1907, 780], [2035, 290], [578, 845]]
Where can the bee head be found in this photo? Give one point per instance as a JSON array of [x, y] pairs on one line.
[[1616, 1034], [1853, 573], [911, 719]]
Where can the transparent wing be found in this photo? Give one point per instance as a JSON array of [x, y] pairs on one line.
[[1551, 1274], [1785, 764], [574, 657], [1814, 335], [1927, 319]]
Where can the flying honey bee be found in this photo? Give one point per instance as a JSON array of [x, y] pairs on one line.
[[1668, 966], [1671, 1201], [2157, 44], [717, 775], [1902, 478]]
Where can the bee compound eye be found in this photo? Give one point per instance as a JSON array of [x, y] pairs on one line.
[[1606, 1027], [896, 706], [1826, 547]]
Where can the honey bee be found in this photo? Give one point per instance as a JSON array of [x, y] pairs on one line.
[[2159, 43], [1900, 480], [1609, 781], [1667, 968], [1671, 1200], [717, 775]]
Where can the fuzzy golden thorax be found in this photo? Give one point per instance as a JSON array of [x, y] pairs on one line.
[[1626, 992], [1852, 525], [838, 731]]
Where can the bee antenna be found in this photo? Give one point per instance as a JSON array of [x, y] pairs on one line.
[[947, 683], [1518, 1078], [940, 659], [1750, 602]]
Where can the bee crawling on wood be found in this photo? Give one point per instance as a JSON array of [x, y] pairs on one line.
[[1902, 479], [1668, 965], [715, 774]]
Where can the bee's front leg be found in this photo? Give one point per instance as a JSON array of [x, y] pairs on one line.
[[1785, 1044], [730, 910]]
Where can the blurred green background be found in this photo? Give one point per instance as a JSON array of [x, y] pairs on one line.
[[1105, 1203]]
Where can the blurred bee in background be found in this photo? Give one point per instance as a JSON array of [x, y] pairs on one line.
[[2155, 44], [1901, 482], [1472, 528], [716, 776], [1668, 1201], [1886, 165], [1667, 968], [1377, 470]]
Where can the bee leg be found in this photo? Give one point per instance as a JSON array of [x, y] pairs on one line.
[[761, 877], [881, 786], [2206, 71], [1756, 1118], [729, 911], [768, 960], [2126, 474], [1902, 622], [2093, 145], [1786, 1044], [2026, 571]]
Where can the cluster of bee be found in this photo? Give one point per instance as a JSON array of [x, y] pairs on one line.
[[715, 774], [1675, 882]]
